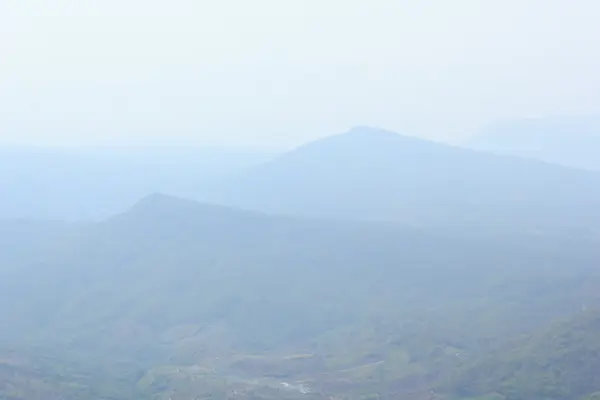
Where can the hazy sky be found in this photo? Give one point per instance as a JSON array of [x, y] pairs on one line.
[[283, 71]]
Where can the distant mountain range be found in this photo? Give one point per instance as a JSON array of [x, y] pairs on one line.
[[95, 183], [364, 174], [370, 174], [570, 141], [366, 265]]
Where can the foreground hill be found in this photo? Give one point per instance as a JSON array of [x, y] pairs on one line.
[[195, 299], [571, 141], [33, 375], [561, 361], [369, 174]]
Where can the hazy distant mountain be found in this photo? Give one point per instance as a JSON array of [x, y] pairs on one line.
[[174, 298], [94, 183], [568, 141], [377, 175]]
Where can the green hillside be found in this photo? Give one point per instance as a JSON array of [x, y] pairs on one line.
[[176, 300], [560, 362]]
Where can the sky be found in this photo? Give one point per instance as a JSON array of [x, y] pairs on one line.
[[282, 72]]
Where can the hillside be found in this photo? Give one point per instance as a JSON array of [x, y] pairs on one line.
[[198, 298], [573, 141], [368, 174], [558, 362], [33, 375]]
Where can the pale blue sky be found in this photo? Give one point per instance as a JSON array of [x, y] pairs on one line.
[[282, 72]]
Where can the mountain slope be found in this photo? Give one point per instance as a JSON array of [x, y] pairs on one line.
[[571, 141], [35, 376], [369, 174], [560, 362], [167, 246], [198, 295]]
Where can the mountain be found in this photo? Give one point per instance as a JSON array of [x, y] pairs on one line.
[[95, 183], [403, 269], [570, 141], [175, 299], [370, 174], [173, 242]]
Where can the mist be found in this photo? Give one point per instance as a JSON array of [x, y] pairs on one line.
[[269, 73], [315, 200]]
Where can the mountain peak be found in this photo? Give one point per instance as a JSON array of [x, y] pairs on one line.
[[371, 136], [369, 131], [159, 205], [157, 199], [373, 174], [366, 142], [164, 206]]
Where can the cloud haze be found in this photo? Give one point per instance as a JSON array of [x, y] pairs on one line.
[[280, 72]]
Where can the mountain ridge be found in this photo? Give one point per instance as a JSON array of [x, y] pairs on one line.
[[368, 174]]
